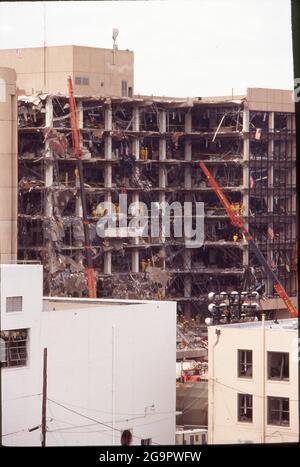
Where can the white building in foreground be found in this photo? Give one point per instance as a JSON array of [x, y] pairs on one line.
[[111, 366], [253, 382]]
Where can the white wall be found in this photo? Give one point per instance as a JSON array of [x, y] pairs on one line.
[[19, 410], [80, 362], [224, 385]]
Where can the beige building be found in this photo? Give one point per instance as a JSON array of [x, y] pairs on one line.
[[8, 166], [253, 383], [95, 71]]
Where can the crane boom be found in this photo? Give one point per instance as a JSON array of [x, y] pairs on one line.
[[91, 280], [237, 221]]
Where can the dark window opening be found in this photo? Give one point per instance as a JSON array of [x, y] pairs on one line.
[[82, 81], [13, 348], [245, 363], [124, 88], [245, 410], [146, 442], [278, 365], [129, 91], [278, 411]]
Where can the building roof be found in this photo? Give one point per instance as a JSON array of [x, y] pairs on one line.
[[69, 303], [289, 324]]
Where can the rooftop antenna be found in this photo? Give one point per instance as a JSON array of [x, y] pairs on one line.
[[114, 36], [115, 45]]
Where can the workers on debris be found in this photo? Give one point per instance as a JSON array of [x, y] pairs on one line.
[[101, 211], [238, 208], [144, 153], [143, 265], [146, 263]]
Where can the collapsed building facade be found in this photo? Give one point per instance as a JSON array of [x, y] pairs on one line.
[[149, 149]]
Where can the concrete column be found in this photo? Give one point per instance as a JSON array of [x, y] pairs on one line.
[[49, 160], [78, 205], [162, 149], [135, 256], [188, 150], [162, 157], [271, 166], [187, 197], [270, 200], [108, 176], [246, 156], [48, 164], [8, 166], [291, 125], [136, 127], [187, 282]]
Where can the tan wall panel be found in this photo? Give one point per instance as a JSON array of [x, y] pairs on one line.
[[46, 70], [6, 136], [8, 166], [6, 170]]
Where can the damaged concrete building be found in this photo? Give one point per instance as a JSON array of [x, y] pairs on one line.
[[149, 148]]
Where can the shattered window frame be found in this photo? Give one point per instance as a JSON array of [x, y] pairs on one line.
[[245, 408], [278, 366], [245, 363], [278, 411], [14, 348]]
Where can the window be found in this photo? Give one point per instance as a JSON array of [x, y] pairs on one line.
[[278, 411], [124, 88], [146, 442], [129, 91], [82, 81], [245, 363], [14, 304], [278, 365], [245, 408], [13, 346]]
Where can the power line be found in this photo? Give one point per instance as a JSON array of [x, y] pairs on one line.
[[15, 432], [240, 390], [23, 397], [84, 416], [109, 412], [98, 421]]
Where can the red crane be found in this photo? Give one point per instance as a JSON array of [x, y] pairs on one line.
[[237, 221], [91, 280]]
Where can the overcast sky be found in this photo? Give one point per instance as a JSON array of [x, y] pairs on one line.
[[182, 48]]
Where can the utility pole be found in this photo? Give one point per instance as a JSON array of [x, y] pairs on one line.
[[264, 380], [44, 402]]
